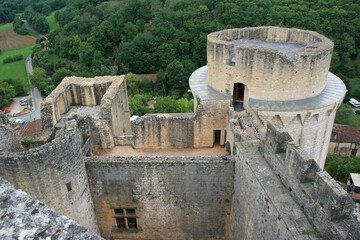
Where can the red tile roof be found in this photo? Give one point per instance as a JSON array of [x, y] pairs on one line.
[[31, 128], [152, 77], [345, 134]]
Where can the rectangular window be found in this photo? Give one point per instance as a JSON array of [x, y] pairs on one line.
[[125, 218]]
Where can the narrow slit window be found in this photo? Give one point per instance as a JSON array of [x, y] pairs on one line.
[[69, 186]]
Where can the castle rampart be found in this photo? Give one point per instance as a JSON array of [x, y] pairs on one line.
[[287, 186]]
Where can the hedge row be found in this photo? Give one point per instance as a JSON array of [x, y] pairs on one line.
[[13, 58]]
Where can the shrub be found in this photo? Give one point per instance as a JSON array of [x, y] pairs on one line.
[[13, 58]]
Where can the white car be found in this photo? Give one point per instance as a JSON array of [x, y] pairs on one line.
[[354, 102], [133, 118]]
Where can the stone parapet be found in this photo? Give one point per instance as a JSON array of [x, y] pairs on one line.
[[23, 217], [320, 196]]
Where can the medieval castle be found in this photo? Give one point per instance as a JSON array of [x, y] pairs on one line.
[[266, 95]]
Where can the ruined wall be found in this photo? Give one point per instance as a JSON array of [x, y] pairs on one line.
[[183, 130], [174, 198], [76, 91], [54, 174], [267, 73], [24, 217]]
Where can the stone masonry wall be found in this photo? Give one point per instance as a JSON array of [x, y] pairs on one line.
[[9, 141], [174, 198], [55, 174]]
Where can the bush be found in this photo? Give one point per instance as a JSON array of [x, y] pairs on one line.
[[13, 58], [340, 168]]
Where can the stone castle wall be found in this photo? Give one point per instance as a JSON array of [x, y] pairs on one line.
[[284, 194], [174, 198], [266, 73], [55, 174], [185, 130]]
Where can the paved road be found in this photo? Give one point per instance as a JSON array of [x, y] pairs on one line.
[[32, 30], [35, 94]]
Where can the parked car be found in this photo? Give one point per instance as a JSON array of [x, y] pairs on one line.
[[354, 102], [23, 103]]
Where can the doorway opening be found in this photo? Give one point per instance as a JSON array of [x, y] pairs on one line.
[[238, 93], [217, 135]]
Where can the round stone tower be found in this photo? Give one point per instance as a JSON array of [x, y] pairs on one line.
[[281, 74]]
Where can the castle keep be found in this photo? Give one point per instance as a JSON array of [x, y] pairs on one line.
[[266, 95]]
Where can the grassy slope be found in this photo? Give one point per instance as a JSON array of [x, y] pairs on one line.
[[5, 26], [15, 69], [52, 22]]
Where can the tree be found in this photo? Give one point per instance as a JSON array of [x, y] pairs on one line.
[[165, 105], [6, 93], [60, 74], [17, 85], [132, 84], [136, 106], [40, 79]]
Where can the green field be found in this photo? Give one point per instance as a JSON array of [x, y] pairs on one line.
[[15, 69], [5, 26], [52, 22]]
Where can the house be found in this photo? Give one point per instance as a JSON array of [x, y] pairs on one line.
[[345, 141]]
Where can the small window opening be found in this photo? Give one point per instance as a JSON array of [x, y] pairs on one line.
[[69, 186], [125, 218]]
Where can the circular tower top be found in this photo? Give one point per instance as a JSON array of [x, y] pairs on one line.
[[268, 63]]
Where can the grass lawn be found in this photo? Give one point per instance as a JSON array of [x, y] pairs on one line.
[[5, 26], [52, 22], [15, 69]]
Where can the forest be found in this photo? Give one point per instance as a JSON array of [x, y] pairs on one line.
[[168, 37]]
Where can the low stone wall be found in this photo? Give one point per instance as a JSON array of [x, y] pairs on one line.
[[23, 217], [55, 174], [183, 130], [174, 198]]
